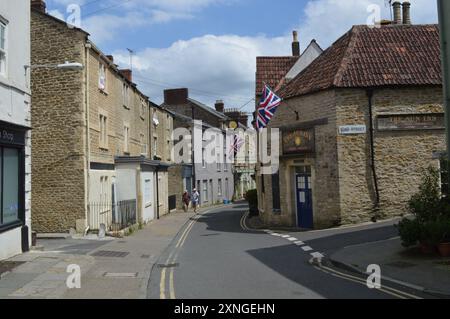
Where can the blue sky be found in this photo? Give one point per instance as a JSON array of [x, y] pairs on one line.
[[210, 46]]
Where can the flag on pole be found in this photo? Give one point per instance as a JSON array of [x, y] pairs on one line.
[[236, 146], [267, 107]]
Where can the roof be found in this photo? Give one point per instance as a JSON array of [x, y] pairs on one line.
[[208, 109], [270, 70], [364, 57]]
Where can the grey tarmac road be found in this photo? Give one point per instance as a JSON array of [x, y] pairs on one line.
[[213, 257]]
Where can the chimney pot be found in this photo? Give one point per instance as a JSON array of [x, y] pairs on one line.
[[397, 12], [295, 44], [406, 12], [38, 5], [220, 106]]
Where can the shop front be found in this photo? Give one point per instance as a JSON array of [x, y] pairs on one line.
[[14, 232]]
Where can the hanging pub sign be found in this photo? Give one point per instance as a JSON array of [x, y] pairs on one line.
[[408, 122], [298, 141]]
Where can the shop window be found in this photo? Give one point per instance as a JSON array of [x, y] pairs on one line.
[[9, 186]]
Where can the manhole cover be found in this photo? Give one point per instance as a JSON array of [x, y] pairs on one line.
[[6, 266], [168, 265], [105, 253], [401, 264]]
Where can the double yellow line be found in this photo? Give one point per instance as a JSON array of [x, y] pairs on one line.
[[172, 260], [243, 223], [387, 290]]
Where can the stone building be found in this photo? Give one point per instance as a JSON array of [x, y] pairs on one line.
[[15, 123], [245, 156], [91, 160], [214, 181], [358, 126]]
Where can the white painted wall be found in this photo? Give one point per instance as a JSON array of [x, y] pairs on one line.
[[126, 182], [15, 100], [307, 57]]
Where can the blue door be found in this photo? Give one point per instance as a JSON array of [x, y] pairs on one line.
[[304, 198]]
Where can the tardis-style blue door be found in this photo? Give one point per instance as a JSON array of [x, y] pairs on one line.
[[304, 198]]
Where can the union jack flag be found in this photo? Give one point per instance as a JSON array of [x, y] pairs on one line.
[[267, 108], [236, 146]]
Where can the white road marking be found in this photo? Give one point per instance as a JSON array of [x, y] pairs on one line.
[[285, 236], [307, 248], [276, 235], [292, 239], [317, 255], [299, 243]]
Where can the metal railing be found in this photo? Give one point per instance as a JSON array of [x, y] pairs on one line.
[[115, 216]]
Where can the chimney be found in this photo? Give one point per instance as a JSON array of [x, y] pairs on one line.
[[397, 12], [176, 96], [220, 106], [38, 5], [406, 12], [128, 74], [295, 44], [110, 58], [243, 119]]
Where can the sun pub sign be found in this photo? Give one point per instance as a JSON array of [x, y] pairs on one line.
[[298, 141]]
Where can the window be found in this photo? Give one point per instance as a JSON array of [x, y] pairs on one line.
[[225, 165], [203, 158], [143, 145], [219, 188], [103, 142], [102, 77], [125, 95], [205, 191], [155, 147], [9, 185], [276, 204], [227, 185], [126, 139], [3, 49], [143, 109], [169, 151], [219, 164]]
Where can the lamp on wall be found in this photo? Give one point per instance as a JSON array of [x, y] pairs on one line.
[[67, 66]]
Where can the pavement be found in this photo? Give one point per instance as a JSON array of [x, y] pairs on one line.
[[426, 273], [110, 268]]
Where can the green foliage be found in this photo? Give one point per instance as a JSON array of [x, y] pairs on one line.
[[431, 214], [410, 232], [252, 197]]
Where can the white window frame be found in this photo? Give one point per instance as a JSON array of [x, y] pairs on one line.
[[126, 138], [126, 95], [143, 145], [205, 191], [103, 128], [143, 110], [102, 75], [4, 51]]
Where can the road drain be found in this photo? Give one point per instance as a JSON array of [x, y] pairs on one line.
[[104, 253], [168, 265], [120, 275]]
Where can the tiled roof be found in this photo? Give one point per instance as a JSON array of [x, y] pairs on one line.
[[393, 55], [271, 70]]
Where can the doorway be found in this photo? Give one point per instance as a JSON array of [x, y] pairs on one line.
[[303, 185]]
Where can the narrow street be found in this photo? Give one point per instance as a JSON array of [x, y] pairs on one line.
[[215, 256]]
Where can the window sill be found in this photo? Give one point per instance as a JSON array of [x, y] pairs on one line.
[[103, 92], [10, 226]]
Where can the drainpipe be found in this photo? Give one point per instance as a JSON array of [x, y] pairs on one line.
[[87, 136], [193, 148], [372, 150]]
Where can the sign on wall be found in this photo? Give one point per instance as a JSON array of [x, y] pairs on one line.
[[298, 141], [405, 122], [11, 136], [352, 129]]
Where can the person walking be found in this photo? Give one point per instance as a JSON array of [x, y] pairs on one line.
[[195, 200], [186, 201]]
